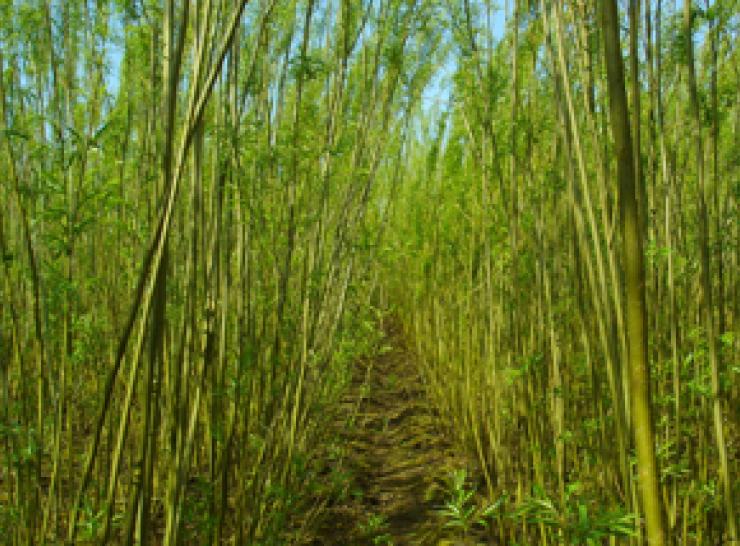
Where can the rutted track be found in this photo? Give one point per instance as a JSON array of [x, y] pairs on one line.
[[394, 455]]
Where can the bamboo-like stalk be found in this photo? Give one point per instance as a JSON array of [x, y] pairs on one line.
[[642, 419]]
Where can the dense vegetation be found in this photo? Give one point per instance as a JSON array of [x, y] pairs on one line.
[[208, 208]]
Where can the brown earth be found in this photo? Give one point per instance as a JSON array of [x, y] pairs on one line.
[[395, 457]]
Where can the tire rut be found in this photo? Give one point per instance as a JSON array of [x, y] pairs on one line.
[[395, 457]]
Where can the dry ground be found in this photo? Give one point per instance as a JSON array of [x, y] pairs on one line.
[[395, 457]]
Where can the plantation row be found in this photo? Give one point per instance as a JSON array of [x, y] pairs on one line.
[[208, 209]]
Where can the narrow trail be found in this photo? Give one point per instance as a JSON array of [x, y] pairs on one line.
[[396, 458]]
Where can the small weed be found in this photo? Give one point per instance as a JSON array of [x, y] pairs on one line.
[[461, 512], [90, 523], [375, 529], [574, 521]]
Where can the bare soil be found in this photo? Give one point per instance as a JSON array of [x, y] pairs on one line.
[[395, 457]]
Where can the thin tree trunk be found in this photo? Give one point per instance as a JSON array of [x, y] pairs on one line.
[[642, 419]]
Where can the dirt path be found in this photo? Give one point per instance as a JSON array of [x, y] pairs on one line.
[[394, 455]]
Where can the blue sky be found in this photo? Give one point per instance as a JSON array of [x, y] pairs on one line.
[[436, 93]]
